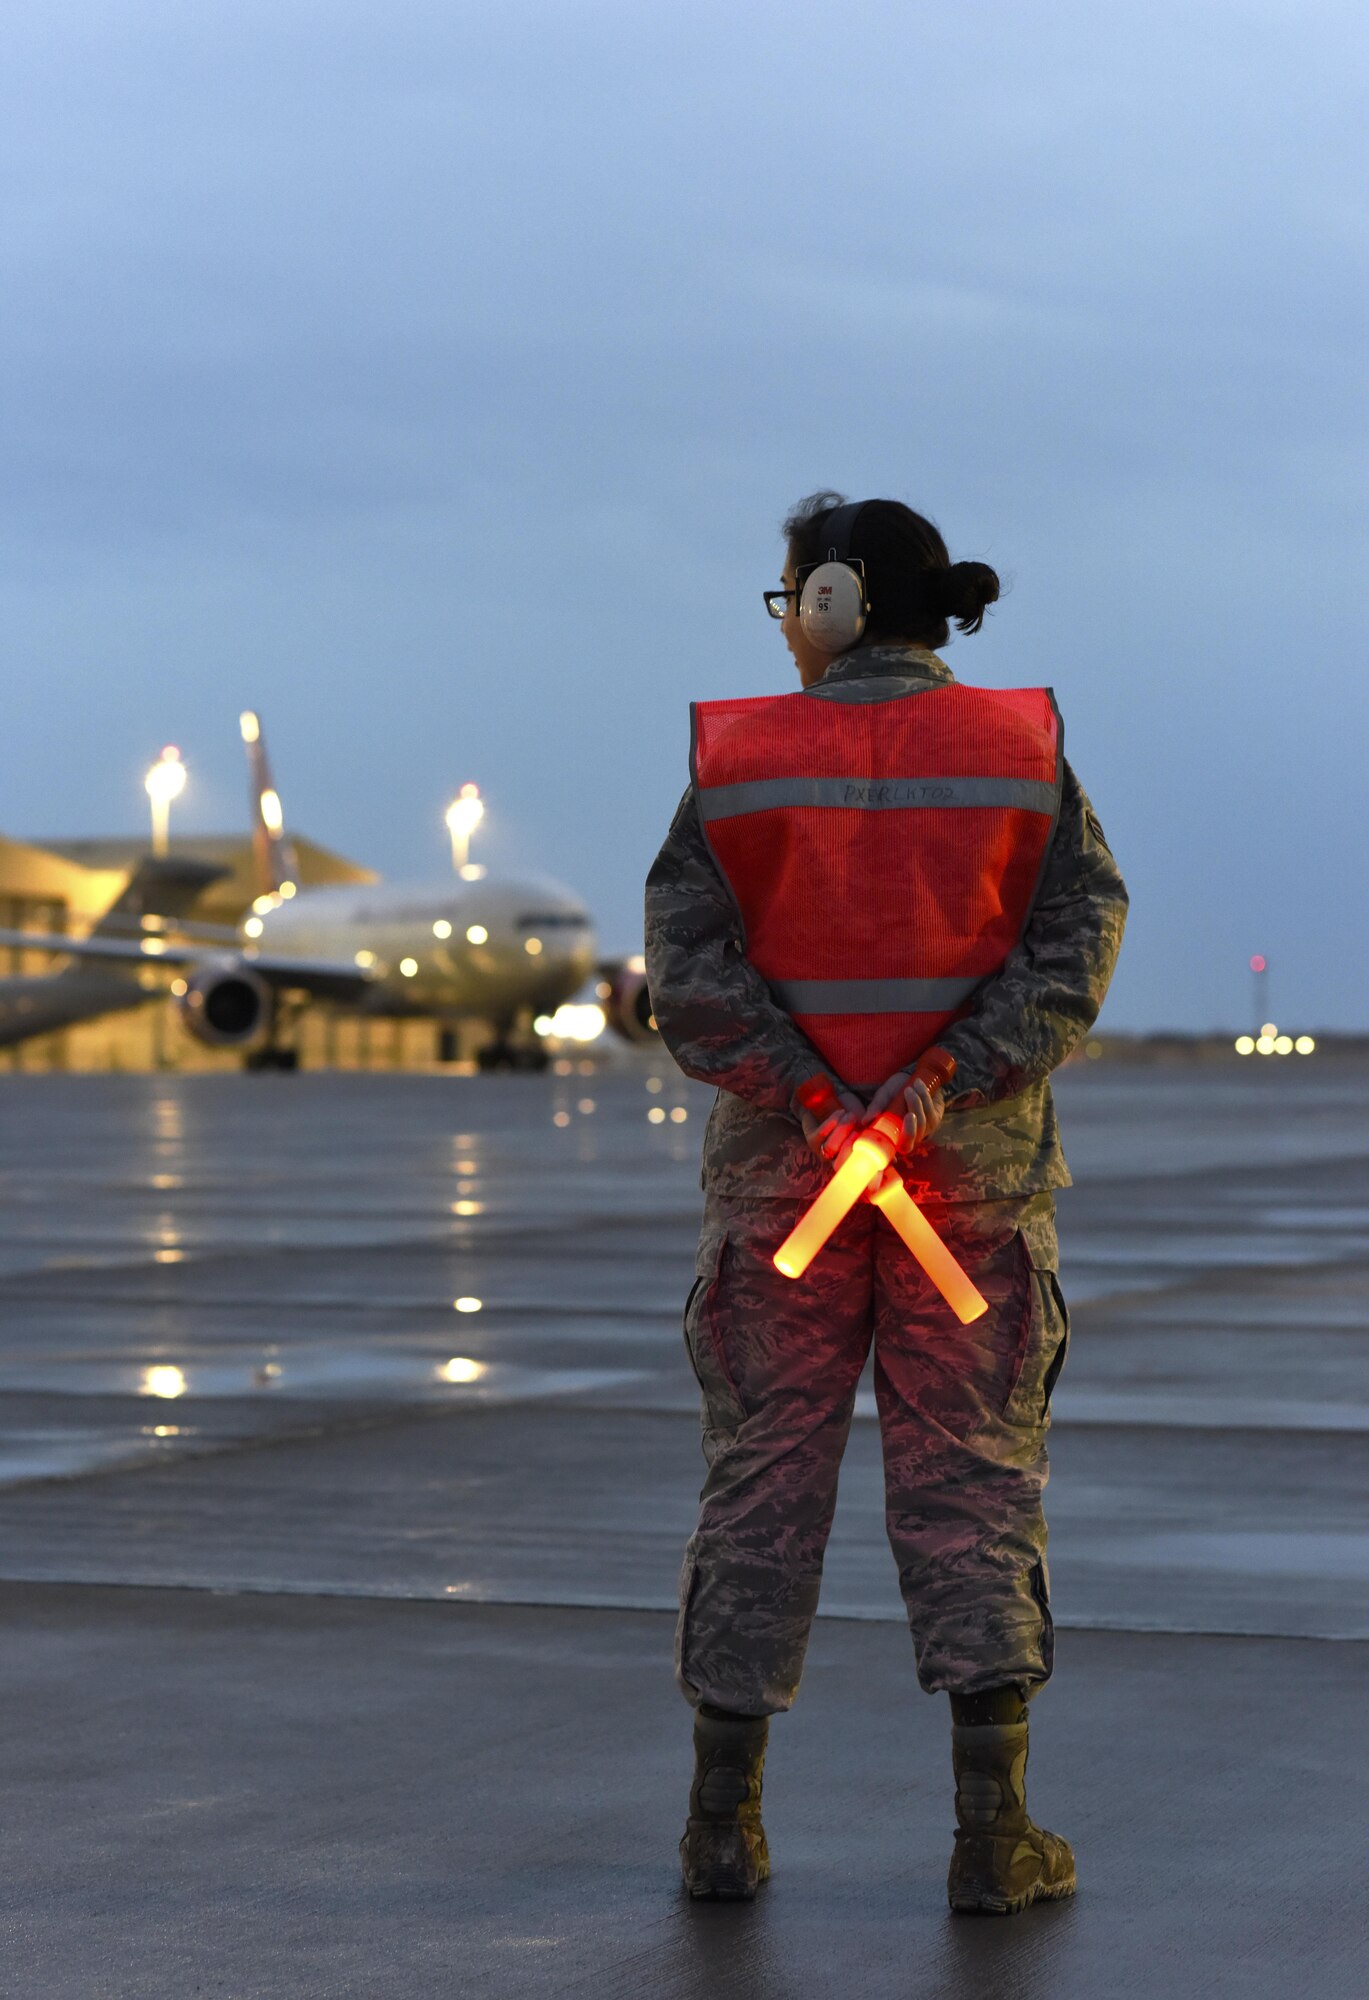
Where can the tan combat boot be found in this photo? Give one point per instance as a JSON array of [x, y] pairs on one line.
[[723, 1853], [1002, 1861]]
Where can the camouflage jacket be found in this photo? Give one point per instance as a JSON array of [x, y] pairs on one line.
[[722, 1024]]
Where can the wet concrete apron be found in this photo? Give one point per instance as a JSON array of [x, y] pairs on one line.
[[418, 1337]]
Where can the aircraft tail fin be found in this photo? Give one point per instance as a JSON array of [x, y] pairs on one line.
[[272, 849], [160, 886]]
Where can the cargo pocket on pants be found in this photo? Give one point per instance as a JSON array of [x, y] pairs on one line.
[[1041, 1591], [1046, 1341], [688, 1578], [722, 1406], [1062, 1346]]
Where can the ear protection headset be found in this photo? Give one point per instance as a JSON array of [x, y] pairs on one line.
[[833, 606]]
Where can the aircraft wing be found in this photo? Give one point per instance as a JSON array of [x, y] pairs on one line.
[[128, 950], [327, 979], [330, 979]]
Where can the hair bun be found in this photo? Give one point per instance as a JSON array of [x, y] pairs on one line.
[[966, 590]]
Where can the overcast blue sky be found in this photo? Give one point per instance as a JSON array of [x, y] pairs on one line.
[[434, 376]]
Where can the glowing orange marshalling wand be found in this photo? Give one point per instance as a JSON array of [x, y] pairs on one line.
[[865, 1173]]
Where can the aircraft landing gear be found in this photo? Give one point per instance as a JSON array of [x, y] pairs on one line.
[[510, 1056], [272, 1058]]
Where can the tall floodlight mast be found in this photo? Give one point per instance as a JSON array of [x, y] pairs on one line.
[[163, 783], [464, 815]]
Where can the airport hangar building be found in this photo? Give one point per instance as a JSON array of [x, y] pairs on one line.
[[67, 885]]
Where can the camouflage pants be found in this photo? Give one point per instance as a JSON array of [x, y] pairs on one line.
[[963, 1415]]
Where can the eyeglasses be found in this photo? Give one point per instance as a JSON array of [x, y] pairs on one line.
[[777, 601]]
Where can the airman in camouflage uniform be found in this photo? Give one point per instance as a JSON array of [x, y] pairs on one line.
[[963, 1410]]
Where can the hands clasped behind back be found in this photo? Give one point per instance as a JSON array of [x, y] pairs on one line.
[[922, 1109], [830, 1137]]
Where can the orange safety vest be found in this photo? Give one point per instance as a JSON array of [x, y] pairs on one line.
[[884, 854]]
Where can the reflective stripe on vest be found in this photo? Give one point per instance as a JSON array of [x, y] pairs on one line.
[[884, 856], [867, 795]]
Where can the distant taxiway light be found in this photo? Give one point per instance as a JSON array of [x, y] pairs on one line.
[[1270, 1042]]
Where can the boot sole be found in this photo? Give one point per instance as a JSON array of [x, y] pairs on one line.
[[971, 1902], [724, 1889], [725, 1885], [724, 1881]]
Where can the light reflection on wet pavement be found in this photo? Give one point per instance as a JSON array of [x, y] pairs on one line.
[[189, 1266], [350, 1372]]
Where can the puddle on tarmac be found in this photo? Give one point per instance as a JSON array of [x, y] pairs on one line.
[[59, 1454], [50, 1452], [341, 1372]]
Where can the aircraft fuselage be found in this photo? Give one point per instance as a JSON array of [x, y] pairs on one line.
[[490, 949]]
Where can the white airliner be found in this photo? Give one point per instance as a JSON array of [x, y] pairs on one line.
[[502, 951]]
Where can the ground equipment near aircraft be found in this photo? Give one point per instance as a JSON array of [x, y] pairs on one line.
[[621, 990], [868, 1172]]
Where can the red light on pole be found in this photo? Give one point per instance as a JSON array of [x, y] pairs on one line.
[[1259, 963]]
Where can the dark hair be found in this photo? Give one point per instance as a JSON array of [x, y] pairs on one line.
[[913, 586]]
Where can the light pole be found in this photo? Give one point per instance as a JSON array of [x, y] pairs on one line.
[[163, 783], [464, 815], [1259, 971]]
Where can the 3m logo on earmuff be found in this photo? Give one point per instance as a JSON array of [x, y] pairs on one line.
[[832, 604]]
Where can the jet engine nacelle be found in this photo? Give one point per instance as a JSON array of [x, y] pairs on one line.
[[226, 1007], [627, 1004]]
